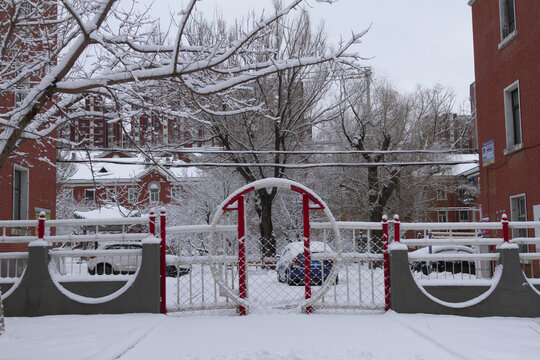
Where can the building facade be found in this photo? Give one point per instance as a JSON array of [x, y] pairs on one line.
[[507, 98], [28, 177]]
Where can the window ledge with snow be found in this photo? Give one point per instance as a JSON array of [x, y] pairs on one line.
[[507, 39], [513, 148]]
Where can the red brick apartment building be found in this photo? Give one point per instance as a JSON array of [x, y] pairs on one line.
[[507, 92], [28, 177]]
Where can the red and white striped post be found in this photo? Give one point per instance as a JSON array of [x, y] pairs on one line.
[[152, 223], [396, 228], [307, 251], [386, 264], [242, 285], [506, 231], [162, 225], [41, 225]]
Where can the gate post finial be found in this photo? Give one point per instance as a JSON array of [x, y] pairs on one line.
[[506, 232]]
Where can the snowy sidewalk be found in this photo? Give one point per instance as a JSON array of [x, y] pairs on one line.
[[273, 337]]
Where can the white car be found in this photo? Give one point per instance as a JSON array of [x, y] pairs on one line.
[[127, 262]]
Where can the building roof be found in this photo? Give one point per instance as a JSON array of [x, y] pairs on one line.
[[126, 170]]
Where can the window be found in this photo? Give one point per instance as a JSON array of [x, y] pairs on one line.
[[513, 117], [21, 92], [518, 210], [441, 195], [20, 193], [153, 189], [111, 195], [442, 216], [176, 194], [508, 18], [89, 195], [464, 215], [132, 195]]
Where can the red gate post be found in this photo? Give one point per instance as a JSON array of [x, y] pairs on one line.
[[396, 228], [41, 225], [386, 264], [152, 223], [242, 286], [307, 251], [506, 232], [163, 293]]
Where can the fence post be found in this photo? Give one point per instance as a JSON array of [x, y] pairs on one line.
[[307, 252], [242, 268], [163, 293], [396, 228], [386, 264], [506, 233], [152, 223], [41, 225], [2, 325]]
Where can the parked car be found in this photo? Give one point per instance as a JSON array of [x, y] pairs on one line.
[[453, 266], [290, 267], [128, 264]]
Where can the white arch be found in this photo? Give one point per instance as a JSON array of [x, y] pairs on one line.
[[283, 184]]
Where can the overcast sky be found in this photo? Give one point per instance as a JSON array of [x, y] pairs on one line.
[[412, 42]]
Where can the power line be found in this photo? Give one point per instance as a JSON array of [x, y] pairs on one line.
[[274, 165], [295, 152]]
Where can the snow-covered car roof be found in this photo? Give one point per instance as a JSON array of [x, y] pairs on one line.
[[315, 247]]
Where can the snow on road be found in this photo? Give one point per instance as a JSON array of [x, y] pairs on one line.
[[270, 337]]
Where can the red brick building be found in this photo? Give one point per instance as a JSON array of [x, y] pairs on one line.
[[123, 178], [507, 93], [28, 177]]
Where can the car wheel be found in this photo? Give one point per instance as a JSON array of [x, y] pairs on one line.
[[170, 271], [92, 271], [104, 269]]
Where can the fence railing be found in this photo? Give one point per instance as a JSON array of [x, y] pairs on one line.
[[460, 251]]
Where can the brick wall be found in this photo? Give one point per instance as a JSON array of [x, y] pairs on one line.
[[495, 69]]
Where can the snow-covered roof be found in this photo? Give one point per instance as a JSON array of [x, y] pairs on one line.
[[106, 212], [124, 170], [462, 169]]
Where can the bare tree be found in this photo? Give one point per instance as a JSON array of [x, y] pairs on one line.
[[283, 108], [52, 52]]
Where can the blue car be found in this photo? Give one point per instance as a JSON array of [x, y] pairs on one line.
[[290, 267]]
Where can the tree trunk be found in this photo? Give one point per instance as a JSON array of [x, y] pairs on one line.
[[264, 210]]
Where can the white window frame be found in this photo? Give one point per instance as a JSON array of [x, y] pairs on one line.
[[25, 192], [506, 37], [92, 191], [519, 232], [176, 194], [444, 213], [132, 195], [441, 194], [511, 145], [111, 194], [464, 212], [153, 190]]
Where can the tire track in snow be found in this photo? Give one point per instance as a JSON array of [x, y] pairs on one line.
[[139, 339], [437, 343]]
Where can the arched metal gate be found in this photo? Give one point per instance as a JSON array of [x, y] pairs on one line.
[[329, 268]]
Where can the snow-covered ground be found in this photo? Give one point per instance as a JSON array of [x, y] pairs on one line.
[[272, 337]]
